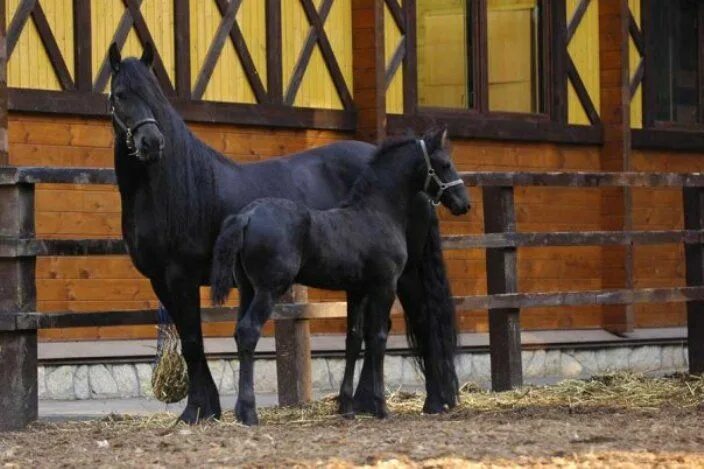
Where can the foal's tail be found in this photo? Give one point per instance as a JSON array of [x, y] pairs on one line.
[[225, 252]]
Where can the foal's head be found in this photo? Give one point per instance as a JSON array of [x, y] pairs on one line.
[[442, 181], [133, 92]]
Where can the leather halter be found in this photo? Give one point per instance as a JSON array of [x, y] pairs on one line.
[[432, 175], [130, 131]]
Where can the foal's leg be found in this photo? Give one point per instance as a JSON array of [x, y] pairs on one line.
[[376, 331], [355, 319], [247, 335], [182, 299]]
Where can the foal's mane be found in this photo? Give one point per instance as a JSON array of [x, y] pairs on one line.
[[185, 183], [368, 177]]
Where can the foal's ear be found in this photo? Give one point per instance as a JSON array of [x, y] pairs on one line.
[[444, 140], [435, 140], [115, 57], [148, 55]]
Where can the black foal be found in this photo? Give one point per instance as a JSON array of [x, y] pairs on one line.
[[359, 247]]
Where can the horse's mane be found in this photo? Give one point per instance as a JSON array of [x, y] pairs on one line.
[[185, 181], [368, 177]]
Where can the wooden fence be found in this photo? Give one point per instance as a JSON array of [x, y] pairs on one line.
[[19, 248]]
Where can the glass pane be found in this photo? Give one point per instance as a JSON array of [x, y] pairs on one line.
[[674, 65], [443, 54], [513, 48]]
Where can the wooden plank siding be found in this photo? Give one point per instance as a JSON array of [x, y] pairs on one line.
[[94, 283]]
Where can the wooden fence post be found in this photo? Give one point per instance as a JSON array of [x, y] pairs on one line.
[[693, 205], [18, 348], [293, 359], [501, 275]]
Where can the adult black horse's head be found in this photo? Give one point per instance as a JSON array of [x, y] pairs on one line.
[[134, 97]]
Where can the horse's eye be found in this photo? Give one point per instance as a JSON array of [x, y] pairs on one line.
[[120, 96]]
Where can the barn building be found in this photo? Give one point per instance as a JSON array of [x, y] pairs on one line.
[[522, 85]]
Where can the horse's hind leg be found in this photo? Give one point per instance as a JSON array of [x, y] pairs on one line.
[[247, 335], [182, 300], [353, 344], [376, 330]]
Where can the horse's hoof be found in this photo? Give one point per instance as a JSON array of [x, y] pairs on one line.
[[246, 414], [371, 406], [382, 412], [364, 404], [194, 414], [346, 408], [433, 407]]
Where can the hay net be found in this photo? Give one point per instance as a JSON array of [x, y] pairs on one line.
[[170, 376]]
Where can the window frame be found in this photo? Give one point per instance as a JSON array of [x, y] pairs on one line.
[[658, 134], [479, 121]]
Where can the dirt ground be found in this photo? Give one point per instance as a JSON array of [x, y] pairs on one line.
[[485, 432]]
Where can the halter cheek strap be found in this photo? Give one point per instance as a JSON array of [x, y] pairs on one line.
[[431, 175], [129, 132]]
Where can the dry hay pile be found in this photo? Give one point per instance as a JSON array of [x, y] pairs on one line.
[[626, 391], [621, 390], [170, 376], [618, 390]]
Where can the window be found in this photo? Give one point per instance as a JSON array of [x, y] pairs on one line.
[[512, 58], [675, 67]]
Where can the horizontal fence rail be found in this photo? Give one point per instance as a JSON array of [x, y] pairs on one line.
[[39, 175], [17, 247]]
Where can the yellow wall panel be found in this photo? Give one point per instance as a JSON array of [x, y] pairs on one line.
[[442, 53], [392, 37], [338, 28], [511, 56], [317, 89], [159, 16], [633, 61], [584, 50], [228, 83], [29, 66]]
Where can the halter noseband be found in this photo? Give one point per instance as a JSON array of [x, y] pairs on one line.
[[432, 175], [129, 132]]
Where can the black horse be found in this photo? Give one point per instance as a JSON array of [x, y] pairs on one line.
[[176, 191], [359, 247]]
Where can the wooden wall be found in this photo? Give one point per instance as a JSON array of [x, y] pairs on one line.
[[95, 283]]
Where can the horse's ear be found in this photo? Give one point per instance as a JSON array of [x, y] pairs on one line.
[[115, 58], [444, 140], [434, 139], [148, 55]]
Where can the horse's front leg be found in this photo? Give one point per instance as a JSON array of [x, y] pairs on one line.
[[247, 334], [376, 330], [181, 297], [353, 345]]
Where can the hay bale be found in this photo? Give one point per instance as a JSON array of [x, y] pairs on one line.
[[170, 377]]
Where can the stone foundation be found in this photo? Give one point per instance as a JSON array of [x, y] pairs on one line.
[[134, 380]]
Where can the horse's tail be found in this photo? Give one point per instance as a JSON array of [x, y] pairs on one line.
[[431, 325], [227, 246]]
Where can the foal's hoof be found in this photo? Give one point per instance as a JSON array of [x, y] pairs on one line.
[[246, 414], [194, 414]]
